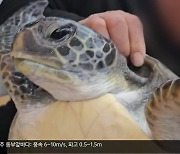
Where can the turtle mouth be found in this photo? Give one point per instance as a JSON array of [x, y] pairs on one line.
[[38, 62], [50, 79], [35, 70]]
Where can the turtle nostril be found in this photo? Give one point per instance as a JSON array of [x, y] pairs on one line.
[[31, 23]]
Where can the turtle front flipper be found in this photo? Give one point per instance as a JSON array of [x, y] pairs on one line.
[[163, 112], [25, 15]]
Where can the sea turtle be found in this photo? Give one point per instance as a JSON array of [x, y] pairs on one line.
[[55, 59]]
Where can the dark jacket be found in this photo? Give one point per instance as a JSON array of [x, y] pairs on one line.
[[157, 42]]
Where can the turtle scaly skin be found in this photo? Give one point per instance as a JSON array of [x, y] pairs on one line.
[[59, 59]]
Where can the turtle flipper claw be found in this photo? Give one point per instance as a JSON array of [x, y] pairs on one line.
[[163, 112]]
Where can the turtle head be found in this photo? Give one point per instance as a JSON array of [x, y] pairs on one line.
[[67, 59]]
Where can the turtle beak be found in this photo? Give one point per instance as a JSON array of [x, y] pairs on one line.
[[27, 44], [34, 60], [18, 45], [26, 47]]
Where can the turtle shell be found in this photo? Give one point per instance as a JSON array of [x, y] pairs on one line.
[[100, 118]]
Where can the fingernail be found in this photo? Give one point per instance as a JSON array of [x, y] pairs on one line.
[[137, 59]]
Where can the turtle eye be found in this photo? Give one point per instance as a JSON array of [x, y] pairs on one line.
[[61, 33]]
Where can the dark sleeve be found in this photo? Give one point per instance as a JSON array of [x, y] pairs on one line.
[[61, 8], [79, 9], [7, 113], [55, 8], [8, 7]]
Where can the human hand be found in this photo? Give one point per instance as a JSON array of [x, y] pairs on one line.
[[125, 30]]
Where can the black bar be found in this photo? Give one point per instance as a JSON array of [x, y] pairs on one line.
[[90, 146]]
